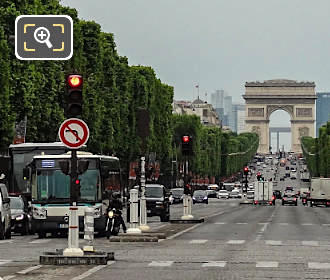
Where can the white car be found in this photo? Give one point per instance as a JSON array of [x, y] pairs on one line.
[[5, 213], [235, 194], [223, 194]]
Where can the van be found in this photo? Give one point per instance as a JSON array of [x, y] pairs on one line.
[[5, 215]]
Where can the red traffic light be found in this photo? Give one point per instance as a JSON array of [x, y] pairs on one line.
[[74, 80], [246, 169], [258, 174], [77, 181], [185, 139]]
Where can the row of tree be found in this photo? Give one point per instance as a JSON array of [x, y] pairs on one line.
[[317, 152], [113, 94]]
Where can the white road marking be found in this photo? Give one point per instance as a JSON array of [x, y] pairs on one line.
[[274, 242], [198, 241], [241, 223], [326, 225], [214, 264], [236, 242], [317, 265], [8, 277], [6, 241], [307, 224], [92, 271], [161, 263], [224, 223], [310, 243], [283, 224], [40, 241], [267, 264], [29, 269], [2, 262]]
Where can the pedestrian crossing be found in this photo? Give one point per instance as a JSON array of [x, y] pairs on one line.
[[306, 243], [279, 224], [225, 264]]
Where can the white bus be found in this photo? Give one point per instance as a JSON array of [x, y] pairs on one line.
[[51, 191]]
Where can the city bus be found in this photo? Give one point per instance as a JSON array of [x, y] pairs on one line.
[[21, 155], [51, 191]]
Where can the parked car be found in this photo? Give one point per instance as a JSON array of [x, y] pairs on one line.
[[282, 178], [5, 216], [200, 196], [223, 194], [177, 195], [157, 202], [20, 218], [289, 198]]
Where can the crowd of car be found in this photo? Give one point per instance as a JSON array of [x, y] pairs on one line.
[[14, 214]]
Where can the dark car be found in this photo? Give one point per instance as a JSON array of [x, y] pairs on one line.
[[282, 178], [278, 194], [200, 196], [177, 195], [157, 202], [20, 219], [289, 198], [288, 188], [287, 168]]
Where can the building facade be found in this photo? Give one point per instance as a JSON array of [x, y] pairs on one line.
[[322, 109]]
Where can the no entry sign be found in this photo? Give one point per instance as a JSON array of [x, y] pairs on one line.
[[74, 133]]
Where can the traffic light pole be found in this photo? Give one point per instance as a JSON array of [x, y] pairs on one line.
[[73, 236], [143, 205], [187, 200]]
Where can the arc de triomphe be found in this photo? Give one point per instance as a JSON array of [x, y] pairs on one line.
[[296, 98]]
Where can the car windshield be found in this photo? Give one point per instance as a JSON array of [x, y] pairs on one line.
[[223, 191], [16, 203], [199, 193], [154, 192]]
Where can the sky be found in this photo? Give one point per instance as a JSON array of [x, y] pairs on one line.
[[219, 44]]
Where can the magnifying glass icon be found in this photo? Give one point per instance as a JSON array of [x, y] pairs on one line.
[[41, 35]]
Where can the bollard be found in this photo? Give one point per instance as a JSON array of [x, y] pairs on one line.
[[89, 229], [134, 208], [187, 205], [73, 238], [143, 203]]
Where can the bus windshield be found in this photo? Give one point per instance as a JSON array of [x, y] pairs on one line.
[[55, 185]]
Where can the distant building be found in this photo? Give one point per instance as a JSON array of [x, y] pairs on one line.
[[322, 109], [228, 110], [238, 114], [198, 107], [217, 98]]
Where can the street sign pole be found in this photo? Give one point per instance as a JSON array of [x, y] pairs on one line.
[[73, 133]]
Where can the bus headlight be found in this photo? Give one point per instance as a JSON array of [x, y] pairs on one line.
[[39, 213]]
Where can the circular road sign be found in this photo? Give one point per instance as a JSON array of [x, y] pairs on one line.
[[73, 133]]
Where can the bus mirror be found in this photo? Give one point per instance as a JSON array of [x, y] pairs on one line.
[[82, 166], [64, 165], [26, 173]]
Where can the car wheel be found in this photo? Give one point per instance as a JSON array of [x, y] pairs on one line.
[[41, 234], [296, 204], [8, 233], [2, 232], [207, 202], [164, 218], [25, 229]]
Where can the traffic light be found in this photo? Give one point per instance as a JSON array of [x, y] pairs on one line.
[[76, 190], [259, 176], [246, 170], [186, 145], [74, 99]]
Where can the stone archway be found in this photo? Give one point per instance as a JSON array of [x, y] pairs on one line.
[[296, 98]]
